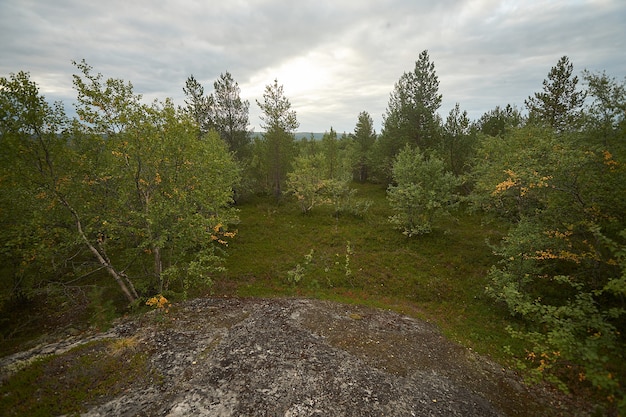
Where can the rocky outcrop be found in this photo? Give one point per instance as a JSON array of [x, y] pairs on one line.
[[300, 357]]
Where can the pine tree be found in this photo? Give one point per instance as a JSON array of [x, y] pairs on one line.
[[229, 114], [364, 138], [411, 115], [279, 123], [559, 105], [198, 105]]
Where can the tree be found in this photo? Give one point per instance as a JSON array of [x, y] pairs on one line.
[[32, 137], [128, 185], [411, 112], [556, 273], [458, 141], [311, 184], [499, 121], [229, 114], [55, 171], [364, 137], [422, 191], [411, 116], [307, 181], [605, 116], [321, 175], [511, 172], [172, 192], [561, 264], [279, 123], [198, 105], [308, 146], [559, 105], [330, 151]]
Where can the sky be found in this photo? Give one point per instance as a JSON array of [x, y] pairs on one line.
[[334, 58]]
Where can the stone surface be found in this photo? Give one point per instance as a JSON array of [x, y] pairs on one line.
[[300, 357]]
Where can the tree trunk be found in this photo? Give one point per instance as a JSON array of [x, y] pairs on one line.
[[158, 267], [277, 178], [107, 265], [131, 296]]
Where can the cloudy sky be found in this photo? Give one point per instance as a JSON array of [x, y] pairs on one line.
[[335, 58]]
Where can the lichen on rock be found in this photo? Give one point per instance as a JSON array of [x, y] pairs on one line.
[[301, 357]]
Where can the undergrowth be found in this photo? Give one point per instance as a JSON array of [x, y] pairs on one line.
[[361, 259], [65, 384], [280, 252]]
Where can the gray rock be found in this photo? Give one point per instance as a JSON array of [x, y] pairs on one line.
[[299, 357]]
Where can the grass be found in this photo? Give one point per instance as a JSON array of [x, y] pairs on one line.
[[439, 277], [65, 384]]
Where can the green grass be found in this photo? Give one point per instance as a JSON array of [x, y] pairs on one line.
[[65, 384], [439, 277]]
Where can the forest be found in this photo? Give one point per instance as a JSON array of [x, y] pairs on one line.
[[508, 231]]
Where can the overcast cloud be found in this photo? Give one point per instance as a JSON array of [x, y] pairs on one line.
[[334, 58]]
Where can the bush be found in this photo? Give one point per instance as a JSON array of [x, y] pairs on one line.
[[422, 191]]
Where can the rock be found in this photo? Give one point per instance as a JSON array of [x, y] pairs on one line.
[[300, 357], [72, 331]]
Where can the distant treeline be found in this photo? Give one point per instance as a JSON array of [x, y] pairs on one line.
[[297, 135]]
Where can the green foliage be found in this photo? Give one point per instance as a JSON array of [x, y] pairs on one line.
[[344, 198], [106, 107], [558, 273], [331, 156], [171, 189], [297, 274], [605, 116], [128, 185], [571, 322], [423, 191], [222, 111], [364, 139], [229, 114], [310, 182], [35, 171], [458, 141], [331, 266], [511, 173], [101, 309], [306, 182], [559, 105], [411, 112], [499, 121], [411, 116], [617, 284], [198, 105], [277, 149]]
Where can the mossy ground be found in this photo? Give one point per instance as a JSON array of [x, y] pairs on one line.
[[65, 384], [439, 277]]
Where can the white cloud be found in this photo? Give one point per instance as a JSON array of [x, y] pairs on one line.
[[335, 59]]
